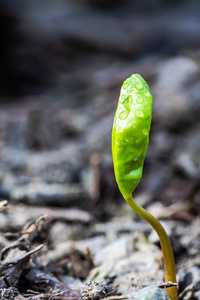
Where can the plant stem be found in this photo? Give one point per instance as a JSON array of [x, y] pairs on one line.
[[169, 263]]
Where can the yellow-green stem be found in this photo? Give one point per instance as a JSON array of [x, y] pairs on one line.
[[169, 264]]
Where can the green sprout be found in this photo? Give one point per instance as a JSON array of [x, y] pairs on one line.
[[130, 138]]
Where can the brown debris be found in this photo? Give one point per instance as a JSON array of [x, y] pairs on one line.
[[18, 261], [10, 293], [94, 290], [14, 256]]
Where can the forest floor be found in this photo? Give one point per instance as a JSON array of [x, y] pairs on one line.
[[65, 230], [66, 225]]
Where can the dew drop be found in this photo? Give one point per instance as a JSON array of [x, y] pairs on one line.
[[139, 86], [147, 94], [145, 132], [139, 113], [127, 141], [123, 115], [131, 90], [123, 96], [139, 100], [125, 85]]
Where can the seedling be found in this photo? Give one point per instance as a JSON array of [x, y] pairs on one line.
[[130, 138]]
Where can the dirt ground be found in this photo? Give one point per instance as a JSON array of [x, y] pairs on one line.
[[65, 230]]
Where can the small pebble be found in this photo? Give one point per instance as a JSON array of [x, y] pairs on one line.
[[149, 293]]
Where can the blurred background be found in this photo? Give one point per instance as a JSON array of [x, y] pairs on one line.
[[62, 64]]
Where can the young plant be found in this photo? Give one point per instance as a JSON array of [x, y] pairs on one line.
[[130, 138]]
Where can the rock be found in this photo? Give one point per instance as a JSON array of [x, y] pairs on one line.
[[175, 72], [149, 293], [18, 215], [186, 156], [122, 224], [125, 261], [56, 194], [184, 163], [114, 251], [172, 103], [189, 283], [190, 240], [72, 123], [94, 244], [71, 282], [58, 233]]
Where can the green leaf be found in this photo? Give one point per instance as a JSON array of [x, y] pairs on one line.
[[130, 135]]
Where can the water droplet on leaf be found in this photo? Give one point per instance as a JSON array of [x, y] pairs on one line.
[[131, 90], [139, 99], [125, 85], [139, 85], [123, 115], [145, 132], [147, 94], [139, 113]]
